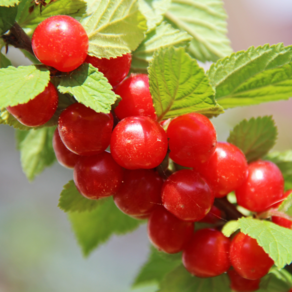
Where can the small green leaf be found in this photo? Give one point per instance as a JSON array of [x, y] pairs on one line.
[[162, 36], [286, 206], [274, 239], [19, 85], [7, 18], [96, 227], [19, 137], [8, 3], [180, 280], [36, 151], [157, 266], [114, 27], [230, 227], [206, 22], [254, 137], [254, 76], [4, 61], [89, 87], [72, 201], [179, 86], [7, 119]]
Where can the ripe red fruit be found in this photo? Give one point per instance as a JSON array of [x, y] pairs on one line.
[[140, 192], [138, 142], [263, 187], [249, 259], [61, 42], [97, 176], [225, 170], [213, 216], [39, 110], [207, 254], [168, 233], [136, 97], [192, 139], [282, 222], [114, 69], [240, 284], [186, 195], [84, 131], [64, 156]]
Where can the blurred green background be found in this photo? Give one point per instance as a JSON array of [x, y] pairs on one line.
[[38, 252]]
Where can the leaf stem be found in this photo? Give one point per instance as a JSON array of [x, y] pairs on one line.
[[230, 210]]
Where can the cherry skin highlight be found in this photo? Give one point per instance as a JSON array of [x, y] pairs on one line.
[[240, 284], [84, 131], [139, 193], [97, 176], [187, 195], [138, 142], [263, 187], [64, 156], [225, 170], [39, 110], [114, 69], [136, 97], [207, 254], [249, 259], [61, 42], [192, 139], [168, 233]]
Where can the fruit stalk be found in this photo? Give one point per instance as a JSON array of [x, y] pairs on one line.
[[230, 210]]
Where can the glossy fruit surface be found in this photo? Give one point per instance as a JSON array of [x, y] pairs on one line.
[[282, 222], [225, 170], [213, 216], [263, 187], [207, 254], [84, 131], [192, 139], [97, 176], [136, 97], [187, 195], [139, 193], [64, 156], [249, 259], [61, 42], [114, 69], [39, 110], [168, 233], [240, 284], [138, 142]]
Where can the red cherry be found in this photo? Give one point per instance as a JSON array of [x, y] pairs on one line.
[[249, 259], [207, 254], [39, 110], [64, 156], [192, 139], [187, 196], [140, 193], [263, 187], [239, 284], [225, 170], [213, 216], [282, 222], [168, 233], [97, 176], [114, 69], [138, 142], [61, 42], [84, 131], [136, 97]]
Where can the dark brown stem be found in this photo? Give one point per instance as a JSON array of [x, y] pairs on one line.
[[230, 210]]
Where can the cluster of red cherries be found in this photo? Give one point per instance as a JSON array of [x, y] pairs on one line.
[[138, 145]]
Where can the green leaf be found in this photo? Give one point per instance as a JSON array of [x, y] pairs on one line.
[[8, 3], [286, 206], [7, 18], [89, 87], [254, 137], [4, 62], [179, 86], [254, 76], [7, 119], [19, 137], [153, 10], [162, 36], [114, 27], [180, 280], [156, 268], [205, 21], [36, 151], [19, 85], [274, 239], [230, 227], [72, 201], [96, 227]]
